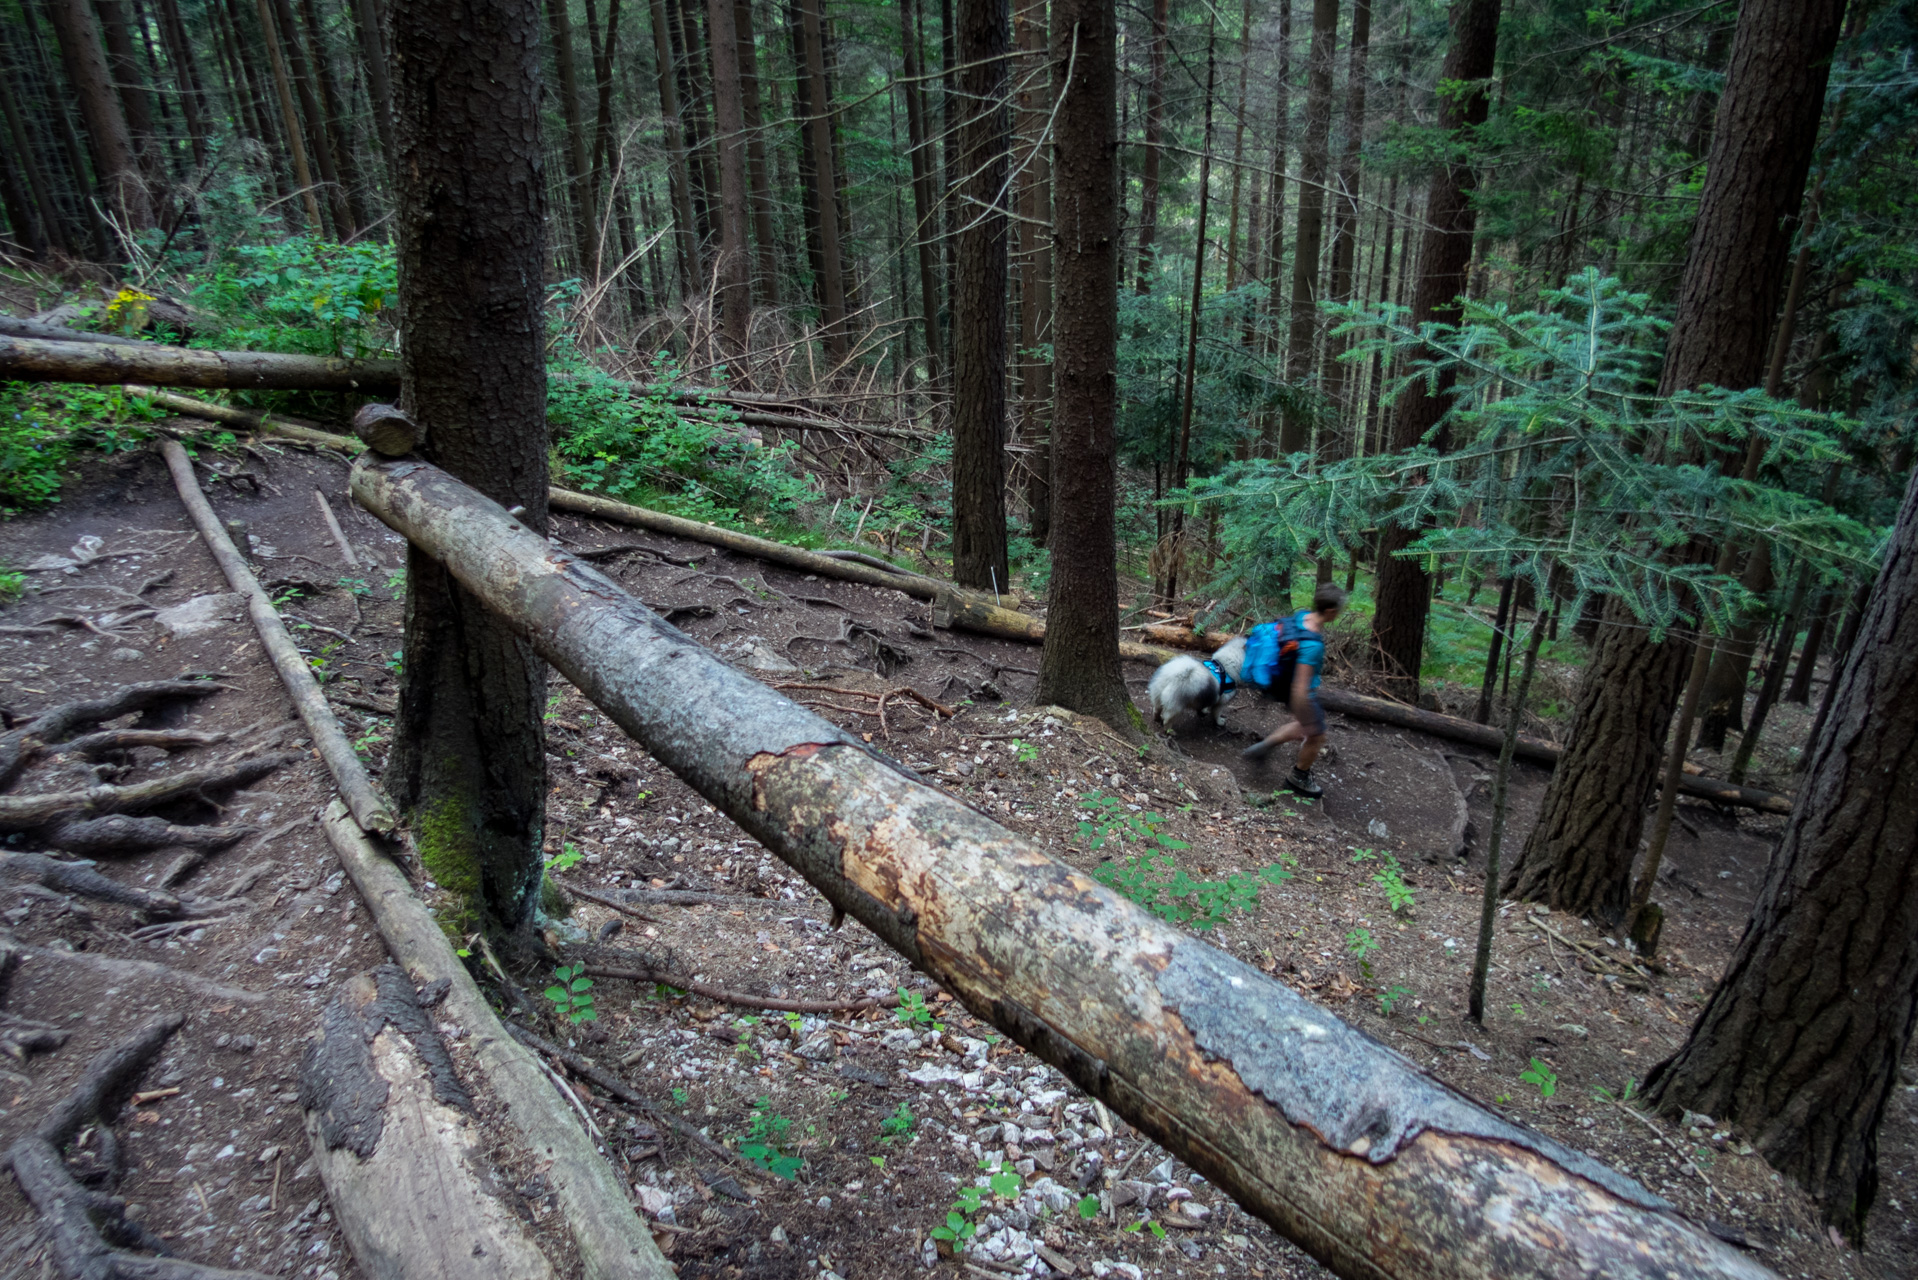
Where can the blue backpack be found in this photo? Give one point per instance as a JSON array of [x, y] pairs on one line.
[[1272, 654]]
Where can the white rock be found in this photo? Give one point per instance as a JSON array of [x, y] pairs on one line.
[[653, 1200], [761, 657], [199, 615], [933, 1074]]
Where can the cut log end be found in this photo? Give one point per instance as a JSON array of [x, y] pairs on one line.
[[387, 431]]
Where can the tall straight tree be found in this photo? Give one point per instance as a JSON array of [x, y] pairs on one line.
[[1345, 210], [1035, 269], [1151, 162], [289, 116], [469, 760], [318, 147], [339, 133], [765, 239], [925, 215], [1800, 1044], [1301, 345], [825, 185], [1579, 856], [1404, 590], [379, 89], [559, 20], [734, 268], [1079, 665], [678, 169], [113, 156], [979, 302]]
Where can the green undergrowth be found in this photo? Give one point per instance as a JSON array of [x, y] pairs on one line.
[[1148, 871], [46, 428]]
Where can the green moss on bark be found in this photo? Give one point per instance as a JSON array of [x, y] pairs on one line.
[[448, 849]]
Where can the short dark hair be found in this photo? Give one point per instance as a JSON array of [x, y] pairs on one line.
[[1327, 597]]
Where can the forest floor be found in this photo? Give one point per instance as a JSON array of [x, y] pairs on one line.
[[890, 1116]]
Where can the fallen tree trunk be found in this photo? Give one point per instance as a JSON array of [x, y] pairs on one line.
[[613, 1243], [1535, 750], [1343, 1146], [21, 327], [396, 1141], [368, 805], [37, 360]]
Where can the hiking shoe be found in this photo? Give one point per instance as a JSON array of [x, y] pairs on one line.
[[1257, 751], [1300, 781]]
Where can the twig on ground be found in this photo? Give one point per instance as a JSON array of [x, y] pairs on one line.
[[604, 901], [740, 998], [94, 744], [81, 878], [1684, 1156], [333, 527], [310, 625], [152, 931]]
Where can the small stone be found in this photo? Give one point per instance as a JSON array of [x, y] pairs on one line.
[[825, 1202], [199, 615], [126, 655], [778, 1235]]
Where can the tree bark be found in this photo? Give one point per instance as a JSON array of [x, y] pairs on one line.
[[1035, 275], [194, 103], [469, 757], [1404, 589], [734, 267], [37, 360], [318, 146], [1149, 164], [335, 129], [128, 81], [924, 206], [678, 166], [1079, 666], [1265, 1094], [979, 303], [1800, 1044], [86, 63], [290, 119], [765, 239], [1724, 693], [1314, 166], [379, 88], [1345, 222], [578, 169], [825, 185]]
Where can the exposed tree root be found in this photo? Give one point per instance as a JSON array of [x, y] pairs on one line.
[[120, 833], [93, 745], [84, 1227], [18, 745], [81, 878], [144, 970], [17, 813]]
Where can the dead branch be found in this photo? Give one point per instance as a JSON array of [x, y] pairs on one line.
[[333, 527], [55, 724], [120, 833], [604, 901], [96, 744], [17, 813], [744, 1000]]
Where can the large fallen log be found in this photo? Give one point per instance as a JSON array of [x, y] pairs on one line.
[[397, 1142], [1535, 750], [37, 360], [1342, 1145], [20, 327]]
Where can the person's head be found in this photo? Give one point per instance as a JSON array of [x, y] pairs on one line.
[[1328, 600]]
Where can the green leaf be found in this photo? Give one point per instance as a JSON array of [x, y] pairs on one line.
[[1089, 1207], [557, 994], [582, 984]]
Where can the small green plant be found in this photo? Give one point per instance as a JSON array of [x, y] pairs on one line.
[[12, 583], [1365, 855], [1629, 1092], [1389, 999], [679, 1096], [897, 1125], [765, 1139], [1024, 752], [366, 742], [1391, 878], [1360, 944], [1541, 1075], [286, 596], [913, 1012], [397, 662], [1153, 879], [552, 706], [1518, 1010], [959, 1227], [357, 586], [1146, 1223], [396, 584], [572, 994], [568, 855], [1088, 1206]]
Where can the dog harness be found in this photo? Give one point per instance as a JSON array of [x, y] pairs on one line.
[[1218, 673]]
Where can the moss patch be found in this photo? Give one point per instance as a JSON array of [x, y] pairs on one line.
[[449, 852]]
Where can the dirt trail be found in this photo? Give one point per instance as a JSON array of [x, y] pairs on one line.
[[890, 1116]]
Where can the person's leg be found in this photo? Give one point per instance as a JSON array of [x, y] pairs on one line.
[[1309, 753], [1291, 731]]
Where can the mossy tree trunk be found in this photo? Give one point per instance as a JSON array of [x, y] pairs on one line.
[[469, 762]]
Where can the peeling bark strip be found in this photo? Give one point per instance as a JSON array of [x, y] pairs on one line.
[[395, 1142], [33, 360], [1362, 1160]]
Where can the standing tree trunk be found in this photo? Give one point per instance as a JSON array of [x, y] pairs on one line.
[[765, 240], [1800, 690], [469, 760], [290, 120], [1579, 856], [194, 103], [123, 64], [1404, 588], [979, 303], [1154, 138], [317, 146], [338, 130], [1079, 665], [119, 172], [1314, 164], [1800, 1044], [1035, 274], [734, 269], [1724, 694], [825, 185], [678, 166], [379, 89], [924, 212], [1345, 216], [559, 20]]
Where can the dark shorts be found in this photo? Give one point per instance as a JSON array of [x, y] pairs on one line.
[[1314, 719]]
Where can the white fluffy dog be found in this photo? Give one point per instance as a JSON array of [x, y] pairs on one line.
[[1188, 684]]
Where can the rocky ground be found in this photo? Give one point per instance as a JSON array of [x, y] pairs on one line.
[[805, 1144]]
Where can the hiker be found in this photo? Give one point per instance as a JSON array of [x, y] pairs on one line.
[[1283, 659]]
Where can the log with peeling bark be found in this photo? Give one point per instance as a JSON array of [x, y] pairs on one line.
[[370, 808], [37, 360], [398, 1144], [1342, 1145], [612, 1242], [79, 1221]]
